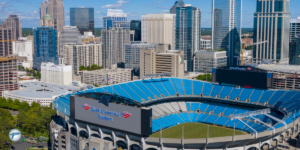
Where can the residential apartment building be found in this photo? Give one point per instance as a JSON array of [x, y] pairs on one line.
[[8, 74], [162, 61], [188, 33], [271, 31], [56, 74], [159, 28], [113, 47], [10, 30], [206, 60], [82, 55], [226, 28], [87, 37], [113, 15], [68, 35], [45, 46], [83, 18], [178, 3], [106, 76]]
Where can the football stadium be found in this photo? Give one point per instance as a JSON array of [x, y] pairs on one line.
[[175, 113]]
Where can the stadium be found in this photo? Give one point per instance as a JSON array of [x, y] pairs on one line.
[[175, 113]]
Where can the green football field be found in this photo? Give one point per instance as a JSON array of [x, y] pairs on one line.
[[196, 130]]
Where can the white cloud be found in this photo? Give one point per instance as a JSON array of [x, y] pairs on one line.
[[159, 2], [122, 2], [130, 14], [35, 12], [117, 4], [165, 11]]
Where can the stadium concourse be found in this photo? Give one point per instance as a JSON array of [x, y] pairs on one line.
[[175, 101]]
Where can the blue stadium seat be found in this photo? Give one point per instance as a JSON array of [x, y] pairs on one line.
[[187, 86], [231, 123], [229, 111], [240, 111], [193, 116], [277, 95], [155, 128], [109, 89], [159, 123], [221, 121], [195, 106], [188, 106], [130, 92], [266, 96], [197, 87], [178, 85], [219, 110], [286, 97], [158, 86], [149, 85], [256, 95], [246, 94], [185, 117], [225, 92], [207, 88], [99, 90], [172, 119], [168, 85], [202, 117], [140, 85], [235, 93], [211, 119], [177, 118], [216, 90], [121, 92], [164, 120], [240, 125], [138, 91], [203, 107], [210, 108], [291, 101]]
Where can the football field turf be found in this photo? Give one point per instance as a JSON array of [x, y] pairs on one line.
[[196, 130]]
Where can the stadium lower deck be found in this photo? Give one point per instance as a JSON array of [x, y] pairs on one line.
[[201, 102]]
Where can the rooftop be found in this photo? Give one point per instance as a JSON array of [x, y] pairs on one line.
[[280, 68]]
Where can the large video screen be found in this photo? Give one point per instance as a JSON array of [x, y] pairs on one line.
[[113, 116], [247, 79]]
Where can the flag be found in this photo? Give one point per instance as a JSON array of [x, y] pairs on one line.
[[114, 82], [39, 102], [109, 79], [102, 80]]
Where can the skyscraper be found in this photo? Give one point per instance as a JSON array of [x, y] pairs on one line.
[[188, 33], [113, 15], [159, 28], [271, 31], [113, 46], [69, 35], [226, 28], [294, 29], [83, 18], [294, 48], [10, 30], [45, 46], [179, 3], [54, 8], [136, 25]]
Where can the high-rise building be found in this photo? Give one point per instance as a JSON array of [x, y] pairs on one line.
[[294, 53], [56, 74], [159, 28], [206, 60], [113, 47], [45, 46], [69, 35], [23, 48], [188, 33], [47, 21], [55, 8], [132, 55], [10, 30], [161, 61], [87, 37], [294, 29], [8, 74], [271, 31], [178, 3], [83, 18], [113, 15], [226, 28], [136, 25], [82, 55]]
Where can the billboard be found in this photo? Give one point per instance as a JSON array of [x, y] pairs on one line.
[[112, 116], [247, 77]]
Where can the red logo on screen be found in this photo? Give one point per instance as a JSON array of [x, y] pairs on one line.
[[125, 114], [249, 69], [86, 106], [247, 86]]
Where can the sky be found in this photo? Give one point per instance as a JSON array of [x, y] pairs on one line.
[[28, 10]]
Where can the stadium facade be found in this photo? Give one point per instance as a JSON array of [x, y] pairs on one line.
[[173, 101]]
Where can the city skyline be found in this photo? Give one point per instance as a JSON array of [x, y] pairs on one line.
[[28, 10]]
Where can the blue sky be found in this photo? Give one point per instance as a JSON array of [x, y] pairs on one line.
[[28, 10]]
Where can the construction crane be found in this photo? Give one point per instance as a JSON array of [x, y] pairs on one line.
[[243, 49]]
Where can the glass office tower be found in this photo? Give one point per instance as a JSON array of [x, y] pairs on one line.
[[188, 33], [226, 28], [113, 15], [136, 25], [271, 31], [83, 18], [45, 46], [178, 3]]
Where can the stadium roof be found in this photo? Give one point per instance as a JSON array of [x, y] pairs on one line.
[[280, 68]]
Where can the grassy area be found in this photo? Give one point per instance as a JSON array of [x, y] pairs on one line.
[[38, 134], [196, 130]]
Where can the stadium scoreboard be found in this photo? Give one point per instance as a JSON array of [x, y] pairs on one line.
[[247, 77], [112, 116]]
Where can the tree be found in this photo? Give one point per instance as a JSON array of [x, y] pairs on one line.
[[39, 76]]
